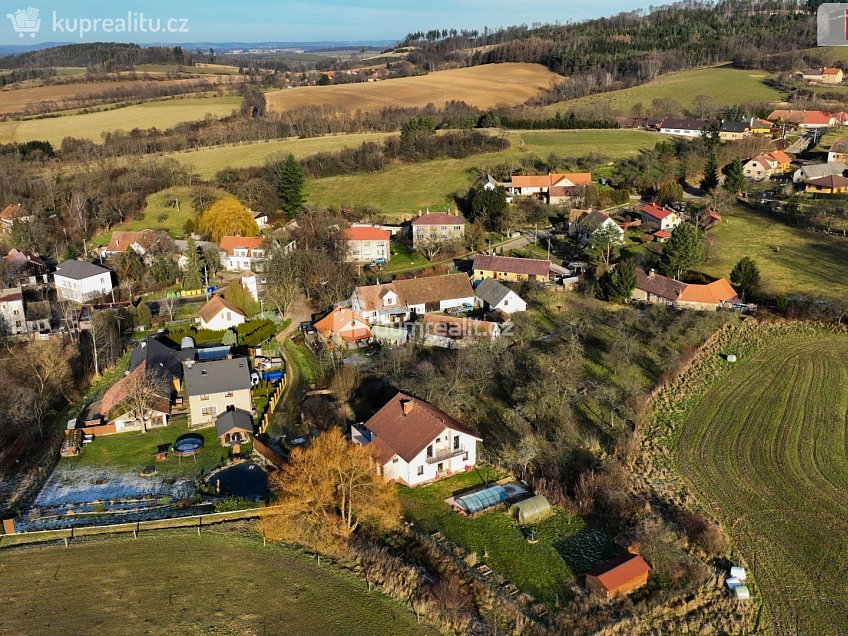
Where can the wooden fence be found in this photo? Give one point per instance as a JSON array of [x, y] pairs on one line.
[[193, 521], [268, 453], [272, 404]]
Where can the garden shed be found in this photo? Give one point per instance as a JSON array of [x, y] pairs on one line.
[[532, 510], [482, 499]]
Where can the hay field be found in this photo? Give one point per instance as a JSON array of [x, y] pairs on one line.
[[483, 86], [208, 161], [724, 85], [14, 100], [175, 582], [763, 444], [159, 114]]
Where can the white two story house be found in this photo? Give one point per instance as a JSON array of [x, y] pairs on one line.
[[243, 253], [81, 281], [416, 443], [400, 300]]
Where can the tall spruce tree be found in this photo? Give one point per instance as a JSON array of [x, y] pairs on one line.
[[683, 252], [290, 181], [617, 284], [192, 278]]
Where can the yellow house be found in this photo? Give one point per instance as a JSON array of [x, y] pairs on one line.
[[832, 184], [508, 268], [760, 127]]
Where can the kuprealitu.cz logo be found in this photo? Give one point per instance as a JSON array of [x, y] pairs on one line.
[[28, 22], [832, 24]]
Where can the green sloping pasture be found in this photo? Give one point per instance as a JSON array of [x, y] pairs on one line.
[[765, 449]]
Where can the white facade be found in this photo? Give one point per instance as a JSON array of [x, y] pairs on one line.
[[224, 319], [511, 303], [84, 289], [449, 453], [681, 132], [243, 259], [12, 316]]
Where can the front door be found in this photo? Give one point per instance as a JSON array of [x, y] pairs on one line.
[[440, 468]]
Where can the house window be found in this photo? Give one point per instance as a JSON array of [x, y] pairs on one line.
[[204, 397], [465, 457], [420, 470], [208, 410], [395, 460], [430, 450], [456, 442], [229, 394]]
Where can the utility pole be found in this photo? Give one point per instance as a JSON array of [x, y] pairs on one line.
[[206, 277]]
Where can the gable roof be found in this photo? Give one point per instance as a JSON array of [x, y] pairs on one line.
[[620, 570], [215, 306], [491, 291], [119, 392], [840, 145], [407, 435], [156, 354], [230, 243], [660, 286], [594, 221], [121, 241], [823, 169], [655, 211], [216, 376], [11, 295], [416, 291], [438, 218], [831, 71], [715, 293], [233, 420], [366, 233], [10, 212], [341, 317], [734, 126], [684, 124], [780, 156], [79, 270], [551, 179], [801, 116], [456, 327], [512, 265], [829, 181], [19, 258]]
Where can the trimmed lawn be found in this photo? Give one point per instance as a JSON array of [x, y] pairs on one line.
[[545, 569], [223, 581], [134, 450], [808, 263], [403, 258]]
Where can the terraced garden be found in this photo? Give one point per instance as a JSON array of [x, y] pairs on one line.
[[762, 444]]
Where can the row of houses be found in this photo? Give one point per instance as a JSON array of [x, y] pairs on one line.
[[552, 188]]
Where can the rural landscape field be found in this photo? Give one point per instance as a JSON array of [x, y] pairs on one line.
[[763, 445], [378, 320], [481, 86]]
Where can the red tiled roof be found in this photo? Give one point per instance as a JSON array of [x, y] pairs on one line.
[[656, 211], [548, 180], [619, 571], [715, 293], [438, 218], [340, 317], [660, 286], [662, 234], [230, 243], [10, 212], [367, 234], [512, 265], [408, 435], [831, 71], [416, 291]]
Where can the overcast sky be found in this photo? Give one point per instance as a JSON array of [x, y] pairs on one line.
[[293, 21]]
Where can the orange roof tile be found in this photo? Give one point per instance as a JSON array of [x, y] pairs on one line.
[[340, 317], [714, 293], [230, 243], [656, 211], [620, 571], [367, 234], [215, 306]]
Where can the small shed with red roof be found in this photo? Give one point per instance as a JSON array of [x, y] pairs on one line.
[[621, 575]]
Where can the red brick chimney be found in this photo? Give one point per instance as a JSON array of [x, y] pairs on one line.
[[407, 405]]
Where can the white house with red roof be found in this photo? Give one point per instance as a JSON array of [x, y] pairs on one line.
[[243, 253], [659, 217], [219, 314], [367, 244], [437, 227], [416, 443]]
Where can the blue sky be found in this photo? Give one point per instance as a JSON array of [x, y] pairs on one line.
[[299, 20]]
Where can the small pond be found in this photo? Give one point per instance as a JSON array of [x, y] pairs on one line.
[[245, 479]]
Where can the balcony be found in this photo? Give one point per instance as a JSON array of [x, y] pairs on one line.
[[444, 454]]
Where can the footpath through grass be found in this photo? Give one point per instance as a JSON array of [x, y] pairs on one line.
[[545, 569], [176, 582]]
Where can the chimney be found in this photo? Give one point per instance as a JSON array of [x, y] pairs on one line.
[[407, 405], [652, 273]]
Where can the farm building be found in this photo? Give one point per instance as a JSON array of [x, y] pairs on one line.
[[532, 510], [621, 575]]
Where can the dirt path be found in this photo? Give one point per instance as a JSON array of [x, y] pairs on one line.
[[301, 310]]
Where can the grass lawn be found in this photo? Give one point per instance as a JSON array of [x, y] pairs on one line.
[[566, 546], [404, 189], [403, 257], [159, 114], [808, 262], [762, 445], [175, 582], [726, 86], [134, 450]]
